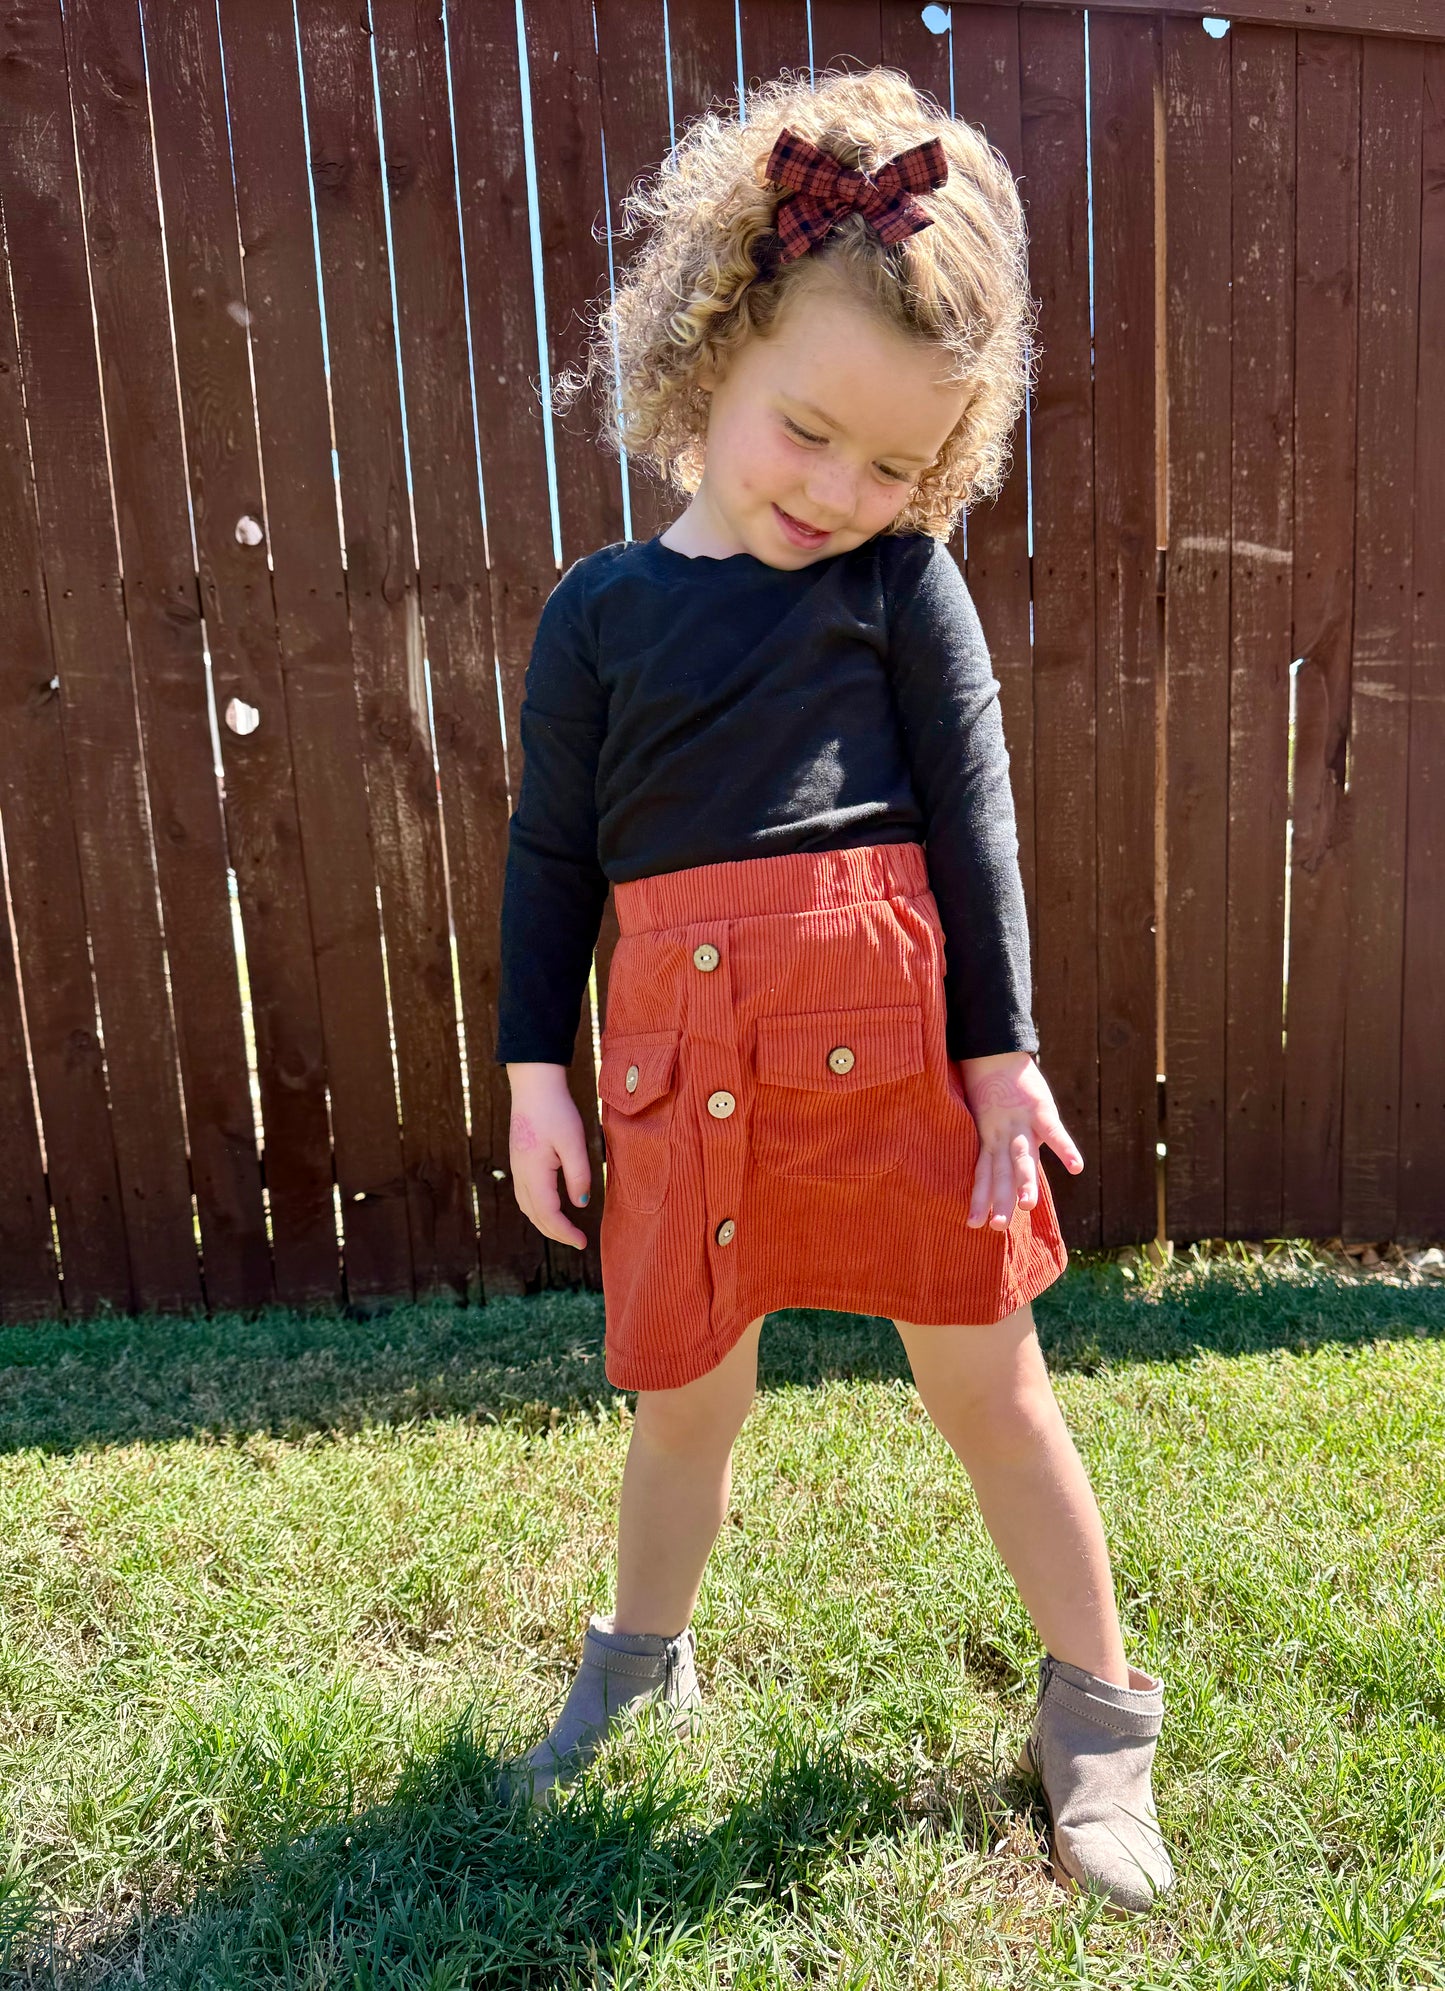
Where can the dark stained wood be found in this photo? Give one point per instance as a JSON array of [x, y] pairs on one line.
[[456, 605], [1261, 567], [29, 1275], [925, 57], [1299, 482], [986, 95], [632, 82], [1375, 800], [774, 37], [387, 645], [567, 127], [1123, 62], [850, 33], [262, 826], [1197, 147], [702, 36], [633, 95], [1051, 53], [1424, 19], [986, 86], [103, 754], [1327, 83], [496, 237], [48, 906], [273, 205], [1422, 1082], [163, 612]]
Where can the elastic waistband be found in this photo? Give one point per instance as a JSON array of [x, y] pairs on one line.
[[795, 881]]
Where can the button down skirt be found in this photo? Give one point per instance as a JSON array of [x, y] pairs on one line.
[[781, 1121]]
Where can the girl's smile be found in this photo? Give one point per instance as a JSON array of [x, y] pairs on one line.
[[797, 532]]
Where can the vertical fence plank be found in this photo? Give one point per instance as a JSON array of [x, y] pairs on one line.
[[45, 238], [702, 36], [386, 644], [47, 896], [1422, 1085], [774, 37], [1326, 292], [567, 129], [632, 94], [1123, 61], [258, 41], [112, 124], [850, 32], [496, 240], [29, 1276], [1261, 563], [632, 82], [1375, 799], [1196, 636], [1051, 48], [455, 581], [986, 94], [263, 831], [907, 42]]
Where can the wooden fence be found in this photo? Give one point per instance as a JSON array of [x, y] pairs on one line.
[[254, 782]]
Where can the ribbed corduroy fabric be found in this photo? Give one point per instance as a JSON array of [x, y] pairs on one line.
[[794, 1134]]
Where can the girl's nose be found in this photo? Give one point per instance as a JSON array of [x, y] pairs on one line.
[[832, 497]]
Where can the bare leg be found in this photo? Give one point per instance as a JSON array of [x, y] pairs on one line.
[[988, 1392], [675, 1488]]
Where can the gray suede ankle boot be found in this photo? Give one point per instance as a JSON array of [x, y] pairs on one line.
[[1092, 1748], [621, 1674]]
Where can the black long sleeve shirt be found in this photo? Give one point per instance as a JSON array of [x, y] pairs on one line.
[[686, 710]]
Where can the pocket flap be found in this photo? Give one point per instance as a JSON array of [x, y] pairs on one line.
[[651, 1054], [885, 1043]]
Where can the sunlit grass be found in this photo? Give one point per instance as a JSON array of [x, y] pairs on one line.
[[276, 1593]]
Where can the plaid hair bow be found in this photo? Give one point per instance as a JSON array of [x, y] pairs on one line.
[[819, 189]]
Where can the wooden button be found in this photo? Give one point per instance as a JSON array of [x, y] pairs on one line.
[[841, 1058], [720, 1105], [631, 1079], [725, 1231], [705, 957]]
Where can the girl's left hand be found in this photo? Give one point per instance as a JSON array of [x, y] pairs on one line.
[[1014, 1109]]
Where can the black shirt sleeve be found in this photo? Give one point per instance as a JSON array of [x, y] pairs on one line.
[[948, 708], [555, 889]]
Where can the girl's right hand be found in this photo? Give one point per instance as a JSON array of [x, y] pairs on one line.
[[547, 1134]]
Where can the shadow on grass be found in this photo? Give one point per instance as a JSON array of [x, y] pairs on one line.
[[530, 1363], [441, 1887]]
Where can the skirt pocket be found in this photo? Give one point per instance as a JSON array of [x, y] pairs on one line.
[[637, 1088], [833, 1093]]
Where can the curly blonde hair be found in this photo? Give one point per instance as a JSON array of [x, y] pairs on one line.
[[708, 277]]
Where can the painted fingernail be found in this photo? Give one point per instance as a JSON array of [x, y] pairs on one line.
[[583, 1197]]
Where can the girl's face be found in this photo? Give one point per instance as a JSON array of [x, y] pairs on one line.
[[827, 423]]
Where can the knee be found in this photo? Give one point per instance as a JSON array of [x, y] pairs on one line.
[[1008, 1423], [700, 1431], [701, 1419]]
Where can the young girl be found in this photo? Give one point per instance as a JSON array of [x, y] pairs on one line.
[[773, 729]]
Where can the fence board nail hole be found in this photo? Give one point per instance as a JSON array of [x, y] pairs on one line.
[[248, 531], [241, 717]]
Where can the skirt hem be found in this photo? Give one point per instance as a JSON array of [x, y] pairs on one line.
[[635, 1375]]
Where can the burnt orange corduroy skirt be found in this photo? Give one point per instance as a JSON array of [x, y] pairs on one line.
[[781, 1121]]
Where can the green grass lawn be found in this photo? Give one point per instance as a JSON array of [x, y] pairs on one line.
[[276, 1592]]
